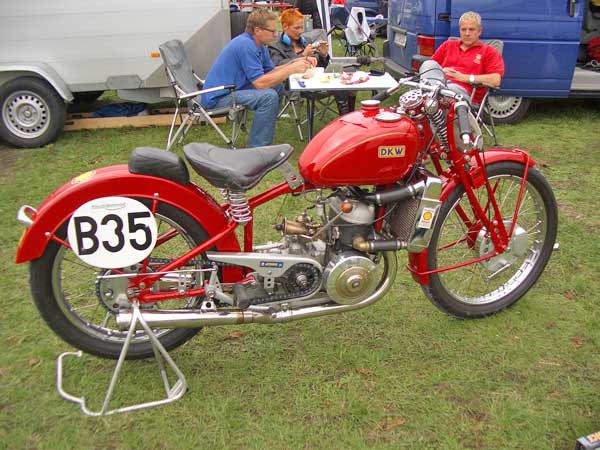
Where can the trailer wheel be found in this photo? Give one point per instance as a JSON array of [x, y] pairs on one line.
[[506, 109], [237, 20], [32, 112]]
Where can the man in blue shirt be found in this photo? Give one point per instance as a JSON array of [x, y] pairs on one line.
[[245, 63]]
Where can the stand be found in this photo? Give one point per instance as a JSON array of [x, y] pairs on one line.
[[173, 393]]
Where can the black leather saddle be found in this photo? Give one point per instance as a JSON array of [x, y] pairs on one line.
[[159, 163], [237, 170]]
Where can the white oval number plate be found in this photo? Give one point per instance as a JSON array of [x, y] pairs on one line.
[[112, 232]]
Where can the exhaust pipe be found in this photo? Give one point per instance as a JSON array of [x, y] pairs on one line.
[[198, 319]]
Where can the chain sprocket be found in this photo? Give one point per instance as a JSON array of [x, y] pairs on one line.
[[300, 280]]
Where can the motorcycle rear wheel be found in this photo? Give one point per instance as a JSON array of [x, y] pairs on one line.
[[71, 300], [484, 288]]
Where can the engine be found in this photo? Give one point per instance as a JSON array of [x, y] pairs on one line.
[[349, 276]]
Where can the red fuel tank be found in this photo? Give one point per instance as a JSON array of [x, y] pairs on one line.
[[358, 149]]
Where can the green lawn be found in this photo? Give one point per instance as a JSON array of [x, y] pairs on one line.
[[398, 375]]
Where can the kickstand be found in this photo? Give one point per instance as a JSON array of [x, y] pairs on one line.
[[173, 393]]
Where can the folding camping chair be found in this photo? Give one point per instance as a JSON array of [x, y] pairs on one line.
[[293, 100], [482, 112], [324, 102], [358, 34], [185, 85]]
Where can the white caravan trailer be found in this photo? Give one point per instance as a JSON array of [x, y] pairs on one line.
[[54, 51]]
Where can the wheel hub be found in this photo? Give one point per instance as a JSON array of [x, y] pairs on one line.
[[112, 292], [111, 289], [517, 247], [26, 114]]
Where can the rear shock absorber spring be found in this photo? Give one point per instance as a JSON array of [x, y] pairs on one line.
[[239, 207], [439, 122]]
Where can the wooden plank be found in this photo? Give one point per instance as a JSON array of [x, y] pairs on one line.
[[85, 121], [90, 114]]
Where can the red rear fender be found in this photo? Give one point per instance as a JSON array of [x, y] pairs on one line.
[[118, 181]]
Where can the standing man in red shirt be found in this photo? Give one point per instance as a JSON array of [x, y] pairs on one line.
[[468, 60]]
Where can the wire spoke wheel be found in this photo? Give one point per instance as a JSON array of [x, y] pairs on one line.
[[80, 302], [491, 285]]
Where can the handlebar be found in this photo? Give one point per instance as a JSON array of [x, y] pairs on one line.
[[418, 85], [464, 125]]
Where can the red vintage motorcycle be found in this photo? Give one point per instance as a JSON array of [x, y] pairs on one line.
[[141, 240]]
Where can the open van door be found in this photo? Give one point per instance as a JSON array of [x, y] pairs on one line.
[[541, 44]]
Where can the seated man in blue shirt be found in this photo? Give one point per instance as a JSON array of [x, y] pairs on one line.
[[245, 63]]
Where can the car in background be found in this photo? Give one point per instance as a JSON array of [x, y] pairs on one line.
[[546, 45]]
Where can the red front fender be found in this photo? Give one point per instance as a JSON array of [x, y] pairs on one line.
[[118, 181], [417, 262]]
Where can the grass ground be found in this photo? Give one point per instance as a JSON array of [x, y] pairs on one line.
[[398, 375]]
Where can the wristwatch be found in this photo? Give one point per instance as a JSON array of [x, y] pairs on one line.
[[471, 78]]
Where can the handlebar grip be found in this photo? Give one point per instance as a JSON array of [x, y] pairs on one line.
[[464, 126]]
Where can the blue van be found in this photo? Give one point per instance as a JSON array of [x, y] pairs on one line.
[[544, 52]]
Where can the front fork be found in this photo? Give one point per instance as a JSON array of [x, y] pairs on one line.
[[499, 234], [469, 169]]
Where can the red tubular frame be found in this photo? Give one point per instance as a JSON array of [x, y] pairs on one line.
[[186, 257], [146, 296]]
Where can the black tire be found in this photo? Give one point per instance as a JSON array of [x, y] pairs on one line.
[[59, 279], [86, 97], [237, 21], [487, 287], [32, 114], [506, 109]]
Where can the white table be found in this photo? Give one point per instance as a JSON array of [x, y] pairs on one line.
[[317, 84]]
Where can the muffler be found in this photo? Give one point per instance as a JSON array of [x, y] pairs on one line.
[[198, 319]]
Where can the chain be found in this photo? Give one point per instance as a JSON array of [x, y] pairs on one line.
[[313, 282], [310, 272]]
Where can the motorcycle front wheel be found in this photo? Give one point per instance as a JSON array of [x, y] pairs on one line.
[[78, 301], [484, 288]]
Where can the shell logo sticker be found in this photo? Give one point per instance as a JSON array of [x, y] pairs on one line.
[[83, 177], [391, 151], [426, 220]]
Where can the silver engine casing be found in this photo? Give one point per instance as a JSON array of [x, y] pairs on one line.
[[349, 278], [361, 213]]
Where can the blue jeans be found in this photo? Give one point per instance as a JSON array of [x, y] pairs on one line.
[[265, 104]]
